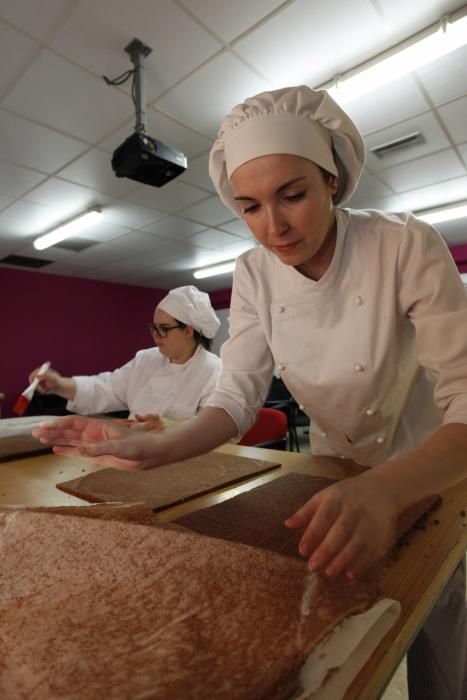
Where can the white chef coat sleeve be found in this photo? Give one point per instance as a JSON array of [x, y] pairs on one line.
[[103, 392], [432, 294], [247, 362], [212, 368]]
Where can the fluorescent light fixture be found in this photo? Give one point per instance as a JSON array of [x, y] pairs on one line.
[[221, 269], [446, 213], [70, 228], [421, 49]]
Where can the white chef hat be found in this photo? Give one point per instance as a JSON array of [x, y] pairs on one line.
[[295, 121], [193, 307]]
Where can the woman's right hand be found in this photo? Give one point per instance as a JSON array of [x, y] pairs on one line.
[[52, 382], [102, 441]]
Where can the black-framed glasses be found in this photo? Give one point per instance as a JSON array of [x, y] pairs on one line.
[[162, 330]]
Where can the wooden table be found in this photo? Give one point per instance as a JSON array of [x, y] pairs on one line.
[[416, 579]]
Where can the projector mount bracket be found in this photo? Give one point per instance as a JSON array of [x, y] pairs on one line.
[[137, 52]]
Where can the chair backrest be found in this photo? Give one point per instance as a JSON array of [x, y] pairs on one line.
[[269, 430]]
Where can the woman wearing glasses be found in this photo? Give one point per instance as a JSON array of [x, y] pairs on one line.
[[172, 380]]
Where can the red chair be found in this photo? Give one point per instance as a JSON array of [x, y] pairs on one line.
[[269, 430]]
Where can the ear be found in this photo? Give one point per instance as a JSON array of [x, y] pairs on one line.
[[333, 184], [189, 331]]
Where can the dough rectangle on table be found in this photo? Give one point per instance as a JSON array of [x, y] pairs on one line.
[[256, 517], [92, 607], [168, 485]]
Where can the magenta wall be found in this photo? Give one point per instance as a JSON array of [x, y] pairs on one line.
[[81, 326], [459, 253]]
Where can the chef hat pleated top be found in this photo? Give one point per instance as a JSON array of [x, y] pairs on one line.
[[294, 121], [193, 307]]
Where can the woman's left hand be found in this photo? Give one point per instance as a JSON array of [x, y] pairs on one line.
[[348, 526], [150, 421]]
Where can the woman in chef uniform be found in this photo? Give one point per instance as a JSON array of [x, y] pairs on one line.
[[172, 380], [365, 315]]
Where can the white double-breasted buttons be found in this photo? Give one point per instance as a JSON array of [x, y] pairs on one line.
[[281, 366], [301, 407], [358, 300], [380, 439], [359, 367], [370, 411], [324, 434]]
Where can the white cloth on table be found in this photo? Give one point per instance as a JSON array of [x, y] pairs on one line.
[[150, 383]]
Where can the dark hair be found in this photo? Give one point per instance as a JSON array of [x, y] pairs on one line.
[[200, 339]]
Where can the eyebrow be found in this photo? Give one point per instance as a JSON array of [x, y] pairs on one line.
[[278, 191]]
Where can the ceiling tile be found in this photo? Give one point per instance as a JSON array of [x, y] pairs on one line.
[[212, 239], [139, 241], [66, 198], [62, 267], [444, 165], [232, 251], [463, 151], [170, 198], [454, 116], [227, 19], [369, 191], [9, 246], [61, 123], [24, 219], [395, 102], [16, 52], [133, 264], [16, 180], [192, 258], [305, 43], [226, 77], [426, 124], [210, 212], [96, 34], [94, 170], [5, 201], [238, 227], [52, 253], [406, 18], [197, 173], [125, 213], [35, 146], [46, 83], [446, 78], [173, 251], [174, 228], [428, 197], [100, 254], [24, 14], [103, 231]]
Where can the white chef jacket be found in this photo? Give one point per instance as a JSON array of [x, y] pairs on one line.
[[150, 383], [375, 352]]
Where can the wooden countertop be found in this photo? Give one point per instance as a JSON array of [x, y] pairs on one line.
[[416, 579]]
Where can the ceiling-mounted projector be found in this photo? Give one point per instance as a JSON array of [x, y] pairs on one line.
[[141, 157], [147, 160]]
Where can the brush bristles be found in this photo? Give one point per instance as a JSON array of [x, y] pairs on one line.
[[21, 405]]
